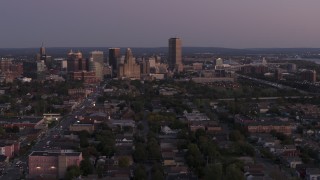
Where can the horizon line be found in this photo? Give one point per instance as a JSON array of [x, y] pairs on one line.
[[160, 47]]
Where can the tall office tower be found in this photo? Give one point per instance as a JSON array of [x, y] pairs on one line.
[[175, 55], [129, 68], [114, 55], [42, 56], [42, 52], [74, 61], [96, 64], [145, 68], [97, 56]]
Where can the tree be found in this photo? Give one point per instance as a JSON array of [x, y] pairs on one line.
[[194, 157], [157, 175], [72, 172], [100, 169], [2, 131], [153, 149], [140, 173], [83, 136], [233, 172], [140, 153], [157, 172], [213, 172], [124, 162], [86, 167], [236, 135]]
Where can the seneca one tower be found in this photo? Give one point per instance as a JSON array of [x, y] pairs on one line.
[[175, 55]]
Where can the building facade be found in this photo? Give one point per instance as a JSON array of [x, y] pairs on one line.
[[175, 55], [114, 55], [129, 68], [52, 164]]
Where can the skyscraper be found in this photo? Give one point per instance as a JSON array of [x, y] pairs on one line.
[[129, 68], [97, 56], [114, 55], [96, 64], [175, 55], [42, 56], [42, 51], [74, 61]]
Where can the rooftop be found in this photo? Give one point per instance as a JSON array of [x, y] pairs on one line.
[[46, 153]]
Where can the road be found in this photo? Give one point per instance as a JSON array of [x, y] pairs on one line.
[[273, 84], [43, 143]]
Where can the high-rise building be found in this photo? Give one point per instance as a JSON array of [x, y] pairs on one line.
[[175, 55], [42, 56], [74, 61], [42, 51], [129, 68], [97, 56], [114, 55], [96, 64]]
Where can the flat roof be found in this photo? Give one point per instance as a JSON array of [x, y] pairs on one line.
[[46, 153], [20, 119]]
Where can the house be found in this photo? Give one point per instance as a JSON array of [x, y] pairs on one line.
[[292, 162], [168, 158], [167, 130], [312, 174], [118, 158], [70, 135], [254, 171], [9, 148]]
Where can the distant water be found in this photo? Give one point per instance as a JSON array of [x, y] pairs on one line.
[[317, 61]]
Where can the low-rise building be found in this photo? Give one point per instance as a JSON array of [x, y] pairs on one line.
[[76, 127], [23, 122], [52, 164]]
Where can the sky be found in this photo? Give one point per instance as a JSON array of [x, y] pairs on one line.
[[150, 23]]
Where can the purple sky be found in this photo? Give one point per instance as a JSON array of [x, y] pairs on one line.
[[149, 23]]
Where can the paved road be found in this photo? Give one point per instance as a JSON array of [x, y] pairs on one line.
[[13, 172]]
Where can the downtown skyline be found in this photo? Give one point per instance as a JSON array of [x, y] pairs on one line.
[[141, 23]]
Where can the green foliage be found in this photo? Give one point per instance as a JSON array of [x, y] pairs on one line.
[[86, 167], [236, 135], [72, 172], [242, 149], [213, 172], [83, 136], [194, 157], [107, 141], [124, 162], [140, 153], [153, 149], [157, 172], [233, 172], [140, 173]]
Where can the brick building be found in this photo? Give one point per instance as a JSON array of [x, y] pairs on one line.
[[52, 164]]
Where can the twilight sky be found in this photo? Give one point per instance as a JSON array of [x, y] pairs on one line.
[[149, 23]]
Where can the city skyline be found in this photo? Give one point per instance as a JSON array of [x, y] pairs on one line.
[[232, 24]]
